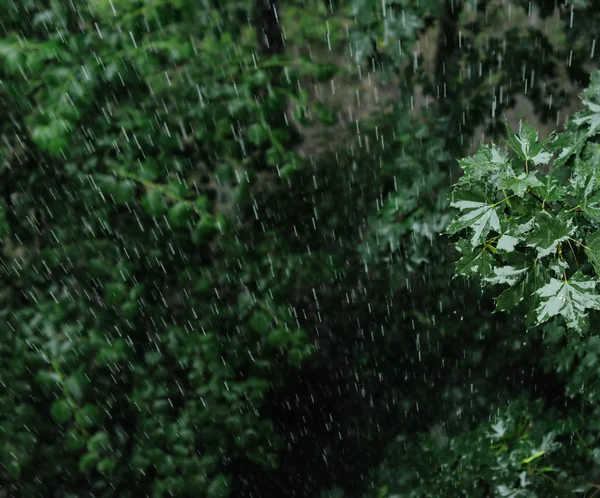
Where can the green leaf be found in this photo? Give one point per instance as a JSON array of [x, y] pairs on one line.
[[322, 72], [98, 443], [4, 229], [9, 51], [480, 216], [260, 322], [153, 358], [52, 138], [222, 223], [506, 275], [591, 207], [60, 411], [274, 102], [589, 98], [326, 115], [526, 144], [106, 465], [549, 231], [273, 156], [257, 134], [474, 261], [130, 309], [507, 243], [76, 385], [520, 184], [202, 204], [202, 284], [176, 188], [489, 165], [533, 457], [585, 178], [220, 487], [88, 416], [115, 294], [225, 173], [287, 171], [259, 78], [541, 158], [278, 338], [124, 191], [88, 462], [205, 230], [593, 250], [382, 492], [570, 143], [74, 440], [154, 203], [148, 170], [515, 294], [48, 380], [559, 267], [113, 353], [592, 120], [568, 298], [179, 214], [551, 189], [4, 226]]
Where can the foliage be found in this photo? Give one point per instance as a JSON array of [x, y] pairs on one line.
[[523, 452], [193, 302], [141, 335], [532, 231]]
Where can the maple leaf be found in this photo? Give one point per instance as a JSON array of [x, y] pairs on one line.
[[568, 298], [526, 144], [480, 216], [549, 231]]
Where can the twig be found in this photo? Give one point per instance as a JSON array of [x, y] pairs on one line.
[[573, 251], [543, 202], [576, 241], [596, 487]]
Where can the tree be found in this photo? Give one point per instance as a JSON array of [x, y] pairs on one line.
[[192, 307]]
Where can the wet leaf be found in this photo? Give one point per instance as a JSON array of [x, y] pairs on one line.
[[257, 134], [548, 232], [480, 216], [179, 214], [569, 298], [154, 203], [61, 411]]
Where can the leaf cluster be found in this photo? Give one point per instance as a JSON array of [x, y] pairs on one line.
[[528, 221]]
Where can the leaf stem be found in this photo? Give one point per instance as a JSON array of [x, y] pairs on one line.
[[577, 242], [573, 251], [506, 198], [151, 185], [542, 474], [537, 197]]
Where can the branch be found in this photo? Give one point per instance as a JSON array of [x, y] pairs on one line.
[[537, 197]]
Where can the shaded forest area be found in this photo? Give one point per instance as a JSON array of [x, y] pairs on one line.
[[228, 248]]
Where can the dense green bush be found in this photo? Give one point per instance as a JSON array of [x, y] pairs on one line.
[[143, 326], [197, 300]]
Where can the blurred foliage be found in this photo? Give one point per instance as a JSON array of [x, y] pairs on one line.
[[196, 300]]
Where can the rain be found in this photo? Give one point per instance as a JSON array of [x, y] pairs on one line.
[[300, 248]]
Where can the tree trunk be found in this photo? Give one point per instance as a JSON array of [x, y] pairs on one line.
[[447, 42], [268, 31]]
